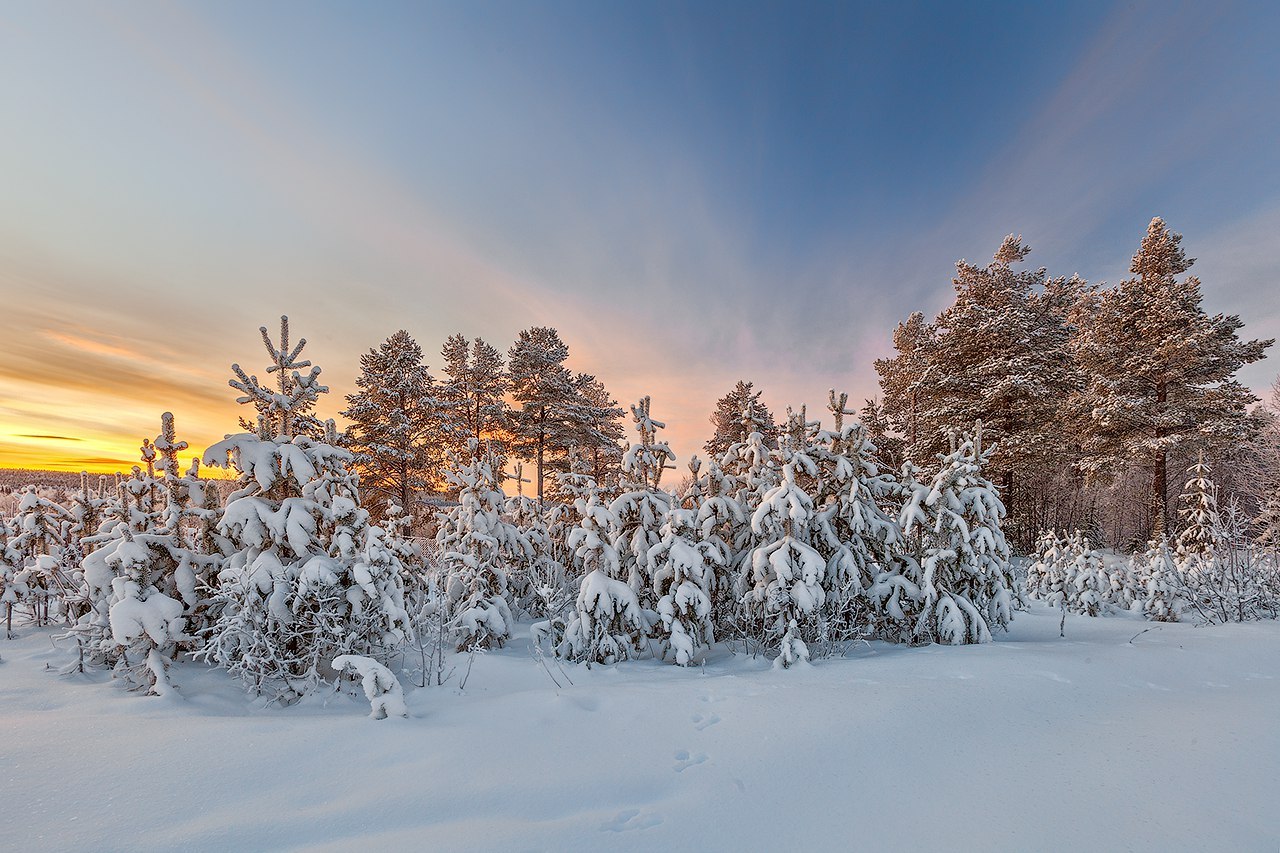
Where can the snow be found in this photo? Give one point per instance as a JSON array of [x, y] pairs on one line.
[[1167, 740]]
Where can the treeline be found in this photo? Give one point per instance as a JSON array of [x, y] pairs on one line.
[[405, 423], [1096, 398]]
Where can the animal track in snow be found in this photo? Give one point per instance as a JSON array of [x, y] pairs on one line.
[[704, 721], [684, 760], [629, 819]]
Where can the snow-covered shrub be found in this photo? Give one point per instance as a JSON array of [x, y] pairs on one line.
[[381, 687]]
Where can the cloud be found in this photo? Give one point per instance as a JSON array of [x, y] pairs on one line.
[[48, 437]]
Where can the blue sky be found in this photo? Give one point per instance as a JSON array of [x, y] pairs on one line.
[[691, 193]]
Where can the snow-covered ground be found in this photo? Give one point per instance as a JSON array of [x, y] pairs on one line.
[[1168, 742]]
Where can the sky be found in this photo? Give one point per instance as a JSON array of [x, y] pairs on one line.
[[691, 193]]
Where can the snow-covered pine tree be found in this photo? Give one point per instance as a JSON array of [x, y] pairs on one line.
[[721, 525], [639, 512], [1268, 523], [684, 570], [534, 566], [399, 425], [1259, 472], [138, 586], [562, 515], [1163, 601], [41, 534], [1044, 573], [307, 578], [964, 580], [477, 545], [738, 414], [998, 354], [786, 570], [1160, 371], [287, 410], [1001, 355], [852, 531], [1089, 586], [608, 624], [40, 524], [1199, 513], [1124, 591], [12, 590], [596, 430], [86, 506], [742, 477]]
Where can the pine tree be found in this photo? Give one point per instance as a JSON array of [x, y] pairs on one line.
[[960, 559], [1160, 371], [1001, 356], [13, 589], [596, 431], [476, 390], [477, 546], [399, 426], [787, 572], [684, 577], [308, 578], [738, 414], [287, 409], [551, 411], [1044, 574], [907, 380], [640, 511], [998, 354], [608, 624], [875, 425], [138, 586], [725, 526], [1199, 513], [1162, 584], [853, 532]]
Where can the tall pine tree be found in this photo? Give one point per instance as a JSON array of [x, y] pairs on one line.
[[399, 425], [476, 389], [1160, 371]]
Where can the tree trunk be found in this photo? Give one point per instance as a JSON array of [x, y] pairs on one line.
[[1007, 497], [911, 450], [542, 441], [1159, 500]]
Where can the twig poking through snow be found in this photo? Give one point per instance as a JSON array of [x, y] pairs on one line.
[[1143, 631]]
